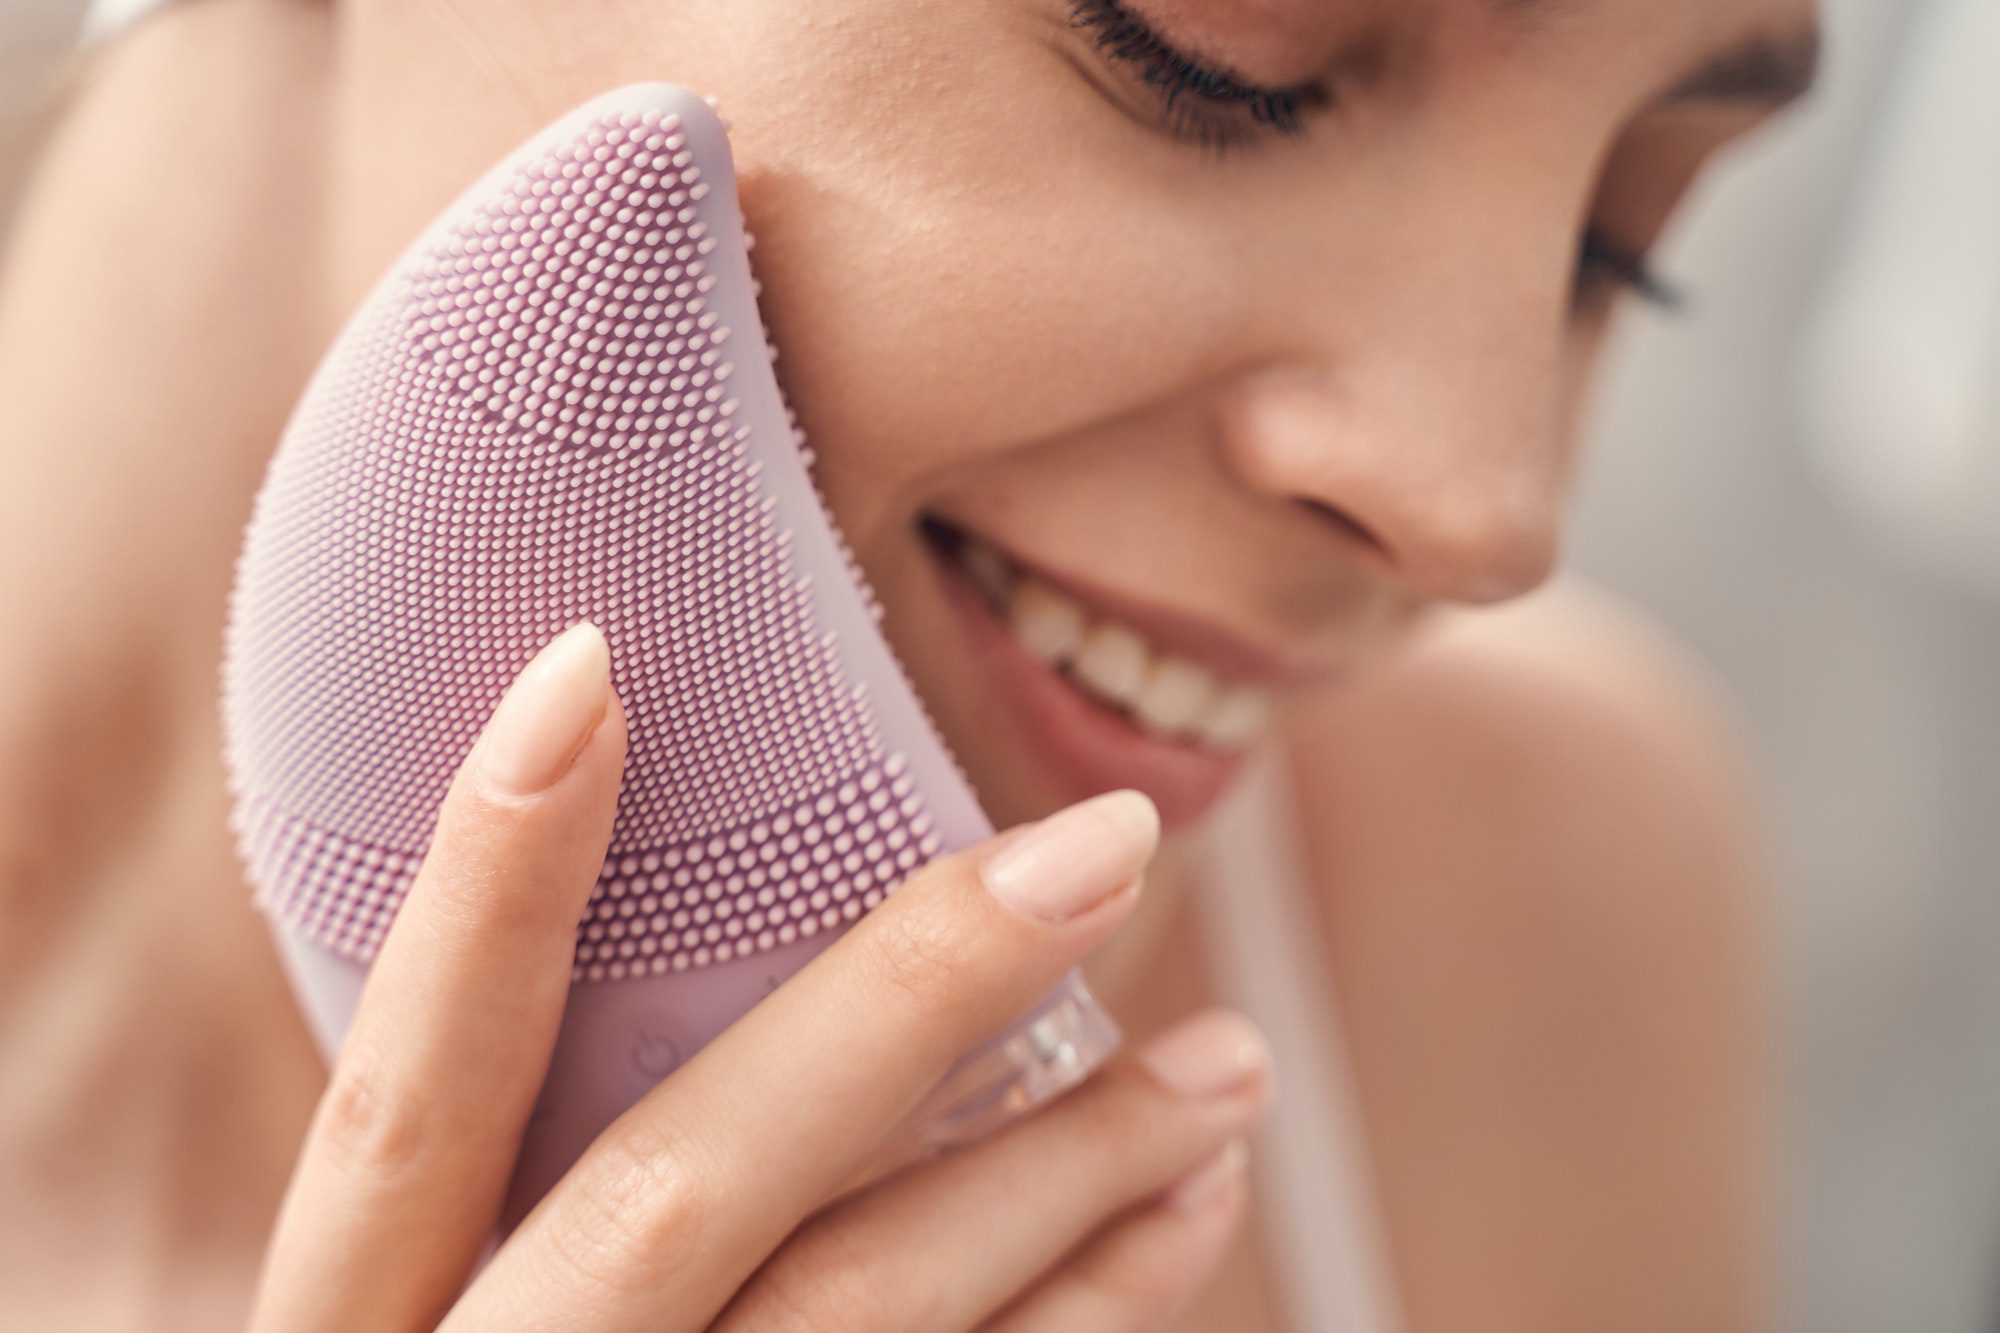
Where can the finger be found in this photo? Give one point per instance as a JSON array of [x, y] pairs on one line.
[[692, 1189], [1142, 1270], [408, 1153], [948, 1244]]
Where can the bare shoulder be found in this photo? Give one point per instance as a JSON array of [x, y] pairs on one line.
[[150, 295], [150, 345], [1570, 652], [1542, 897], [1564, 734]]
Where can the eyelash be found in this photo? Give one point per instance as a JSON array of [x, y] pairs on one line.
[[1206, 106], [1216, 101], [1600, 259]]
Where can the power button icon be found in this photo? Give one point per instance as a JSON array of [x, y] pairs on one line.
[[653, 1056]]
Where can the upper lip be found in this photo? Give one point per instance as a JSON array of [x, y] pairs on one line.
[[1232, 655]]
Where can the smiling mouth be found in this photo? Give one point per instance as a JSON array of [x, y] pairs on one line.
[[1113, 664]]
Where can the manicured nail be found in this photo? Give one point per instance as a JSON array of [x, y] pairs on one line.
[[1208, 1056], [1205, 1184], [549, 712], [1075, 858]]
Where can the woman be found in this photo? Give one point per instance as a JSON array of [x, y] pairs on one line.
[[1246, 342]]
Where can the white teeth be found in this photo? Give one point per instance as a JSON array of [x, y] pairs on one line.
[[1237, 718], [1113, 662], [1161, 693], [1175, 695], [1048, 624]]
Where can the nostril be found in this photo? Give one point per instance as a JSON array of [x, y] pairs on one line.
[[1341, 519]]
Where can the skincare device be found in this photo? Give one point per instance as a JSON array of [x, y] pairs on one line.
[[558, 405]]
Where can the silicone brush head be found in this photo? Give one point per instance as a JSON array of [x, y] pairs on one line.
[[559, 404]]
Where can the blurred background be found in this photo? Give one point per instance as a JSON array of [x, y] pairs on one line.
[[1787, 478], [1860, 641]]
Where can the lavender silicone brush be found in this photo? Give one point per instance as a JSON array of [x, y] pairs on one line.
[[559, 405]]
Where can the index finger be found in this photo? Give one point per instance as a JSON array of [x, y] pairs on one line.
[[688, 1192], [400, 1178]]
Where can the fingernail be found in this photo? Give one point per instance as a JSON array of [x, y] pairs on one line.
[[1206, 1183], [548, 713], [1208, 1056], [1075, 858]]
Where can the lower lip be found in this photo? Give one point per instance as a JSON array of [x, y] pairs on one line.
[[1087, 748]]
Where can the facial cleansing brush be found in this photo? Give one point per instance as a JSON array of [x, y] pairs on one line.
[[559, 405]]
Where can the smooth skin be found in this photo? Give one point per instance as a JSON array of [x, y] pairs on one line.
[[1533, 882]]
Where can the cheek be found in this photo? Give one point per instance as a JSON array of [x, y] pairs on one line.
[[955, 272]]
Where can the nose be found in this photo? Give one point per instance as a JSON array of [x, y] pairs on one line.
[[1410, 367], [1454, 490]]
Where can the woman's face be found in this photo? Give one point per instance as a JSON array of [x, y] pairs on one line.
[[1147, 398]]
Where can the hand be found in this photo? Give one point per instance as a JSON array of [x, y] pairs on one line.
[[718, 1200]]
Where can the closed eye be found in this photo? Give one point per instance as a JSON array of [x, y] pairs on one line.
[[1602, 262], [1202, 101]]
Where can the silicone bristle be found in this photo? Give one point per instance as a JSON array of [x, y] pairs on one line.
[[534, 422]]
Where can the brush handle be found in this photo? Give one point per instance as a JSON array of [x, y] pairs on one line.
[[617, 1041]]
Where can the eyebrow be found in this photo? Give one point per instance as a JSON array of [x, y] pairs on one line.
[[1764, 70]]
